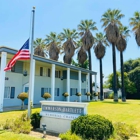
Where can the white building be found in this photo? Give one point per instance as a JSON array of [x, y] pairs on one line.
[[49, 76]]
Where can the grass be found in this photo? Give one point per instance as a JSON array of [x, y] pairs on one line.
[[5, 135], [128, 112]]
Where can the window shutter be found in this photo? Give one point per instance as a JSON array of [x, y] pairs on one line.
[[12, 95], [70, 91], [42, 92], [49, 73], [57, 91]]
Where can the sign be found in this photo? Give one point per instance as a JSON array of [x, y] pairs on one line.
[[63, 109]]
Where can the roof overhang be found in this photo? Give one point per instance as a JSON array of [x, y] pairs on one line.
[[46, 60]]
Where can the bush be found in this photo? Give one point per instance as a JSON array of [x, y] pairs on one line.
[[88, 94], [92, 127], [78, 94], [22, 96], [111, 95], [35, 120], [124, 130], [46, 95], [65, 94], [19, 125], [69, 136]]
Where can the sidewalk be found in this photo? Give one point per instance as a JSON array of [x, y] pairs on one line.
[[12, 108]]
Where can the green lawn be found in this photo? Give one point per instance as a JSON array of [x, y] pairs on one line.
[[128, 112]]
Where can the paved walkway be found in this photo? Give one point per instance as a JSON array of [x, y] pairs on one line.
[[5, 109]]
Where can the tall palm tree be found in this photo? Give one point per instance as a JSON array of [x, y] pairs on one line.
[[82, 55], [99, 49], [39, 45], [135, 23], [69, 37], [86, 26], [53, 45], [111, 20], [121, 46]]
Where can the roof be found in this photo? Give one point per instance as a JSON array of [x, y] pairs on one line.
[[46, 60]]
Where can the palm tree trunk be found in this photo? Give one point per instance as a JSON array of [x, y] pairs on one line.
[[90, 68], [101, 81], [122, 77], [114, 73]]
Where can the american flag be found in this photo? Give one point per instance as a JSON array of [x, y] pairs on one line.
[[22, 54]]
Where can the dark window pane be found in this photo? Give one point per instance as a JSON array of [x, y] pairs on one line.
[[12, 95], [42, 92], [41, 71]]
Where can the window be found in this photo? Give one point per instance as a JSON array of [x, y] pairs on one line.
[[41, 71], [57, 74], [44, 90], [73, 91], [9, 92], [49, 73], [83, 91], [13, 68], [12, 92], [56, 91]]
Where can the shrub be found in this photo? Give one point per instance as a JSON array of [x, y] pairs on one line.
[[22, 96], [69, 136], [92, 127], [19, 125], [78, 94], [88, 94], [35, 120], [46, 95], [124, 130], [95, 93], [65, 94], [111, 95]]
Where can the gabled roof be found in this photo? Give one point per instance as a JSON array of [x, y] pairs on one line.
[[46, 60]]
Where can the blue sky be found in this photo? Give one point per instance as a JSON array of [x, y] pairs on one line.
[[54, 15]]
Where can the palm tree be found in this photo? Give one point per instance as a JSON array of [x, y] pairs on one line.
[[135, 23], [39, 46], [111, 20], [99, 49], [121, 46], [82, 55], [69, 37], [86, 26], [53, 45]]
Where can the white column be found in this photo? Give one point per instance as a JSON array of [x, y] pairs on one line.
[[79, 84], [68, 84], [52, 82], [33, 79], [89, 85], [2, 79], [95, 83]]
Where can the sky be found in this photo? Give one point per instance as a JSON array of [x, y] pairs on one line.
[[55, 15]]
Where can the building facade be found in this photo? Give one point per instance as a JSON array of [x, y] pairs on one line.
[[47, 76]]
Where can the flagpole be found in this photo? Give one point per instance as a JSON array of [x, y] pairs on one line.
[[31, 82]]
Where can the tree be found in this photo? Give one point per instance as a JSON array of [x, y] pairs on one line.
[[85, 65], [69, 37], [22, 96], [39, 45], [121, 46], [82, 55], [53, 45], [135, 23], [129, 86], [111, 20], [99, 49], [86, 26]]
